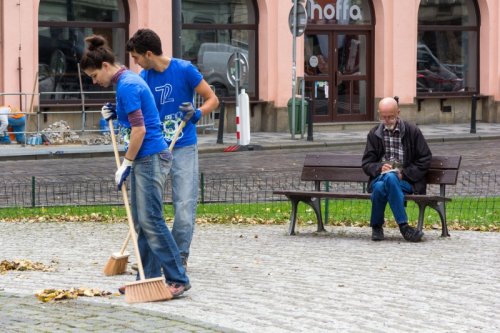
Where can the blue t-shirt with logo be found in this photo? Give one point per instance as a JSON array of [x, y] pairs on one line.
[[132, 94], [171, 88]]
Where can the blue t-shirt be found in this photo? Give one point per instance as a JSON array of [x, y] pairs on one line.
[[171, 88], [132, 94]]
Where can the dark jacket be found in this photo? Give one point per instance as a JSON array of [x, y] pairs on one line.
[[417, 155]]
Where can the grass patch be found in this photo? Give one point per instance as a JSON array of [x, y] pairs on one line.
[[463, 213]]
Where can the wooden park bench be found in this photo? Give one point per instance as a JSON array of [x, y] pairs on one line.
[[347, 168]]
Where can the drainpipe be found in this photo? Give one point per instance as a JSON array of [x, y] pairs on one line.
[[176, 28], [20, 81]]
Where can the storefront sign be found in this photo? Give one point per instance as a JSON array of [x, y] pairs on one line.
[[340, 10]]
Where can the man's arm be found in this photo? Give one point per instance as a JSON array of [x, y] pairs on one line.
[[371, 158], [210, 100], [417, 169]]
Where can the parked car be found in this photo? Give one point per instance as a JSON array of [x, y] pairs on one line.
[[213, 64]]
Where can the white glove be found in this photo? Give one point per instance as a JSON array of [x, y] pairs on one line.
[[123, 172], [108, 111]]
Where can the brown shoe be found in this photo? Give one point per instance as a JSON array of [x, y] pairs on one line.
[[178, 289], [122, 290]]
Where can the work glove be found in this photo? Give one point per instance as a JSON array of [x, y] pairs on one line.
[[190, 113], [123, 172], [108, 111]]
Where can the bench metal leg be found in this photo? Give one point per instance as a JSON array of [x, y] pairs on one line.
[[315, 203], [439, 207], [421, 215], [293, 216]]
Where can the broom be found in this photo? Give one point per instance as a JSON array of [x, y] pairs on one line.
[[117, 263]]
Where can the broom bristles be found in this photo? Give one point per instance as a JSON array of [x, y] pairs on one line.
[[117, 264], [148, 290]]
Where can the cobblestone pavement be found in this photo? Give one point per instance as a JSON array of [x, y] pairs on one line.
[[258, 279]]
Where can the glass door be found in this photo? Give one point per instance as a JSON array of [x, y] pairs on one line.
[[350, 91], [338, 75]]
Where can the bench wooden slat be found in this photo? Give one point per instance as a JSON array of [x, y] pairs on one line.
[[340, 174], [445, 162], [447, 177], [360, 196]]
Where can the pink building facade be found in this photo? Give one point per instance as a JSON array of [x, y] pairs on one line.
[[435, 55]]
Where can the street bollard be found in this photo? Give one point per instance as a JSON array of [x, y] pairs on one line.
[[220, 131], [309, 120], [473, 114]]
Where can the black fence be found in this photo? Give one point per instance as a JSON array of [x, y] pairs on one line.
[[480, 188]]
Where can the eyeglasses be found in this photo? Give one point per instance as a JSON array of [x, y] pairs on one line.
[[387, 118]]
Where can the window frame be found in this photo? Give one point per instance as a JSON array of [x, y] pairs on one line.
[[462, 28], [87, 24]]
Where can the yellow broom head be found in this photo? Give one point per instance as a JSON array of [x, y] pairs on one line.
[[117, 264], [148, 290]]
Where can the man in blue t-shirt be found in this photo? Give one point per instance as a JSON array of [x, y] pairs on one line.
[[173, 82]]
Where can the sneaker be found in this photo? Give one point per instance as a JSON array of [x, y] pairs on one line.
[[377, 233], [410, 234], [177, 289], [122, 290]]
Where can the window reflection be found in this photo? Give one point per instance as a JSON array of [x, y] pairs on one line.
[[61, 45], [316, 54], [447, 57], [210, 48]]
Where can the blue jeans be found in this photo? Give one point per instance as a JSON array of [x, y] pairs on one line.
[[17, 125], [389, 188], [184, 175], [156, 244]]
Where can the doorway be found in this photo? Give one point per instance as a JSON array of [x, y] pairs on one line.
[[338, 75]]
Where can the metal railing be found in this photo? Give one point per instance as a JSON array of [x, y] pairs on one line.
[[34, 114]]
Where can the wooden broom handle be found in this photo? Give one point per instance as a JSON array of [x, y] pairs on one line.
[[131, 233]]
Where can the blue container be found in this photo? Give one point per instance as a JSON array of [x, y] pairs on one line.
[[104, 126]]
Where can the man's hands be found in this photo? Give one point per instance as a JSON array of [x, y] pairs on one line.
[[108, 111], [190, 113], [123, 172]]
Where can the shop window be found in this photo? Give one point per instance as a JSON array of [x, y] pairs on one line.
[[214, 30], [62, 28], [447, 47]]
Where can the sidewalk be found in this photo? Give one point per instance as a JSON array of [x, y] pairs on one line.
[[258, 279], [266, 140]]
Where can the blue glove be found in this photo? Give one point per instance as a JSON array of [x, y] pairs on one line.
[[190, 114], [123, 172], [108, 111]]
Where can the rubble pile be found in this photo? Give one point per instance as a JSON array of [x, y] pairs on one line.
[[60, 133]]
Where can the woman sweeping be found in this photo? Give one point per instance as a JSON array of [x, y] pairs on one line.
[[147, 161]]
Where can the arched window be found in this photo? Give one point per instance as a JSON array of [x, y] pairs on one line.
[[62, 28], [448, 47], [212, 31]]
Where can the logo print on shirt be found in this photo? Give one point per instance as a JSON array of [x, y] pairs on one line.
[[165, 93], [170, 125]]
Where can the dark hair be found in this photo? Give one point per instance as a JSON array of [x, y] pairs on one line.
[[145, 40], [97, 52]]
